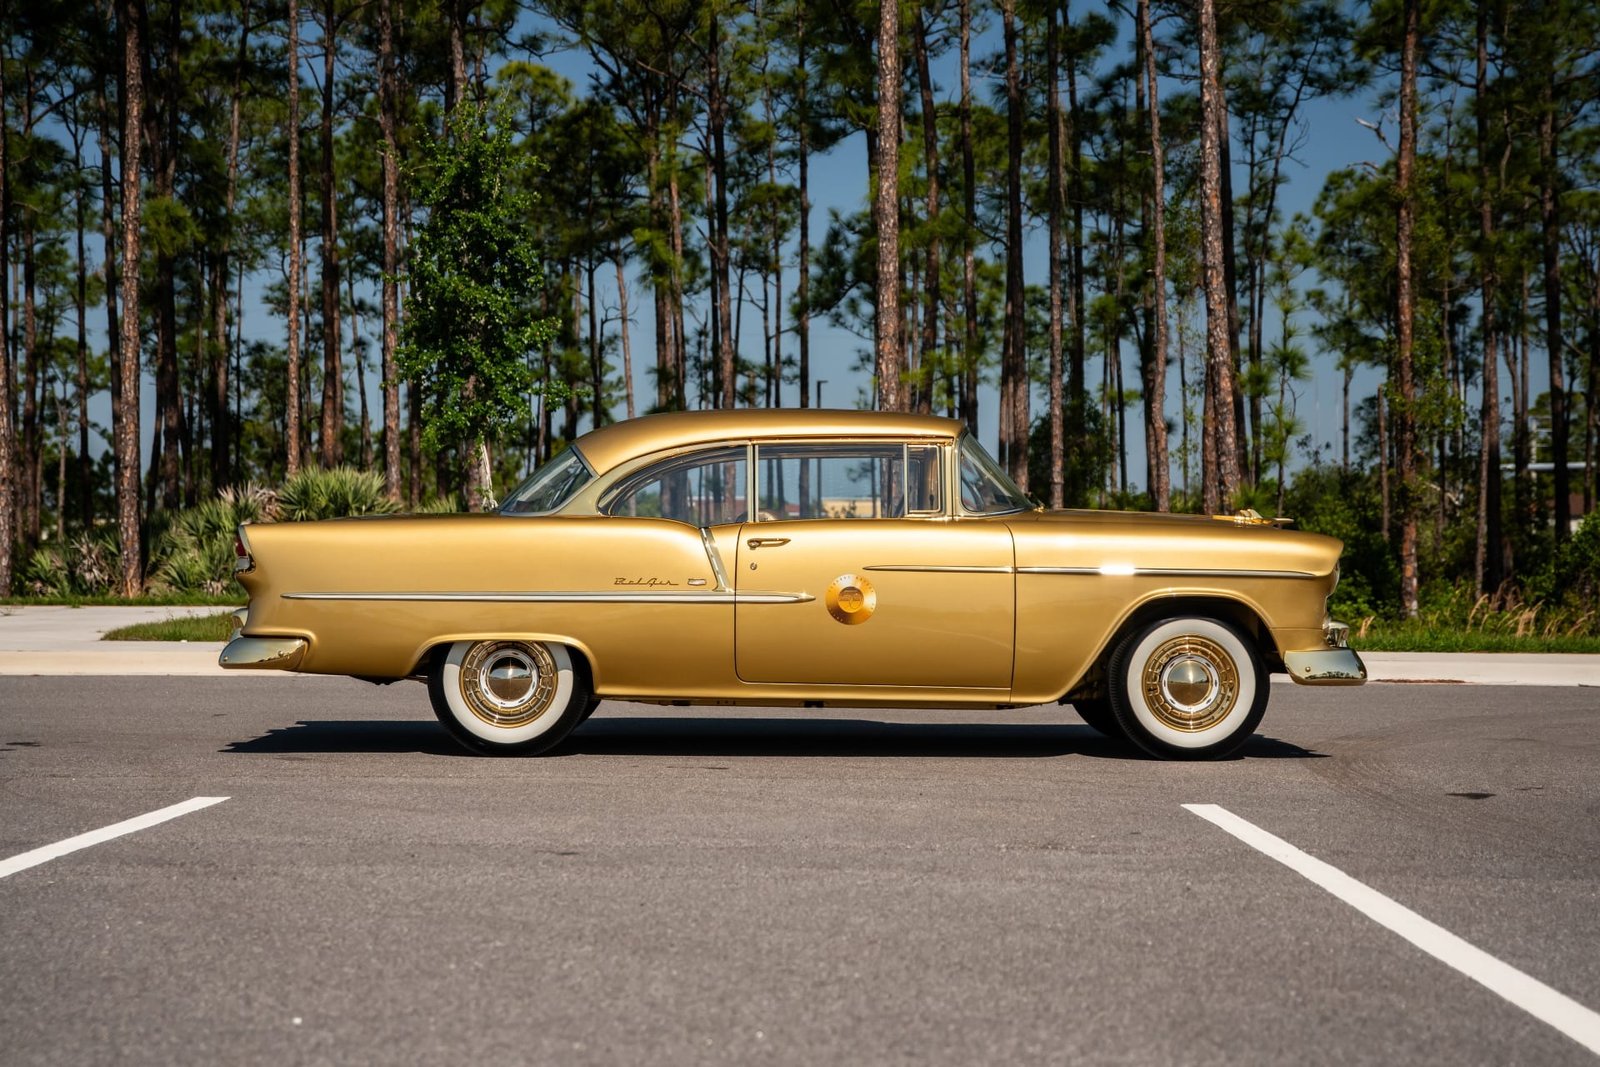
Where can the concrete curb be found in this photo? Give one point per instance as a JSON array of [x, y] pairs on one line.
[[66, 641]]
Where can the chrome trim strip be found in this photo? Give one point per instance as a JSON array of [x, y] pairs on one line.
[[919, 569], [716, 559], [1170, 572], [720, 597]]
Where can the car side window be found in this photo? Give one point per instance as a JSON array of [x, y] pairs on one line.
[[848, 481], [701, 488]]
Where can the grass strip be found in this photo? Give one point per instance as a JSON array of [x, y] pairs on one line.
[[1444, 639], [218, 627], [149, 600]]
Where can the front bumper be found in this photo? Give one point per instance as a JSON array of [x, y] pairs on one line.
[[1326, 666], [1337, 664], [263, 653]]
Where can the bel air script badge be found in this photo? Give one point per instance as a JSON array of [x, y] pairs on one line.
[[647, 583], [851, 599]]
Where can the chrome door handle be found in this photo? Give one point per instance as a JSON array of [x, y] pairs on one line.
[[767, 542]]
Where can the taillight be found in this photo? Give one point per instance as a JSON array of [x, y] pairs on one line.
[[241, 555]]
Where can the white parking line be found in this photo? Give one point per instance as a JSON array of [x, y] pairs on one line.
[[1527, 993], [106, 833]]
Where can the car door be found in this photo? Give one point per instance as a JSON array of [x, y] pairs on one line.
[[898, 593]]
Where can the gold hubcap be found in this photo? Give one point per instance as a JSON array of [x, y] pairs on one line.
[[1190, 683], [508, 683]]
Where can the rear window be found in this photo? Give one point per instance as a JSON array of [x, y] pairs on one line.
[[549, 487]]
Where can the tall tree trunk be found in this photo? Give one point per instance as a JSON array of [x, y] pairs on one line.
[[1155, 384], [131, 16], [1014, 385], [108, 241], [31, 437], [1385, 464], [680, 339], [1053, 211], [162, 133], [85, 464], [969, 254], [221, 424], [332, 429], [31, 489], [1405, 413], [1229, 262], [7, 438], [456, 88], [388, 111], [1550, 226], [597, 367], [931, 268], [622, 322], [292, 401], [1076, 484], [1489, 554], [803, 163], [1220, 483], [660, 287], [361, 373], [774, 382], [890, 361], [716, 120]]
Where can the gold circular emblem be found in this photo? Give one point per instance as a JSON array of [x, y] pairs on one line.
[[851, 599]]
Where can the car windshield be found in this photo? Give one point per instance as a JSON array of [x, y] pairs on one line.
[[549, 487], [985, 489]]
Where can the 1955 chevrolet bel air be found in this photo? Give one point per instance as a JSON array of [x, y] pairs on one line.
[[798, 558]]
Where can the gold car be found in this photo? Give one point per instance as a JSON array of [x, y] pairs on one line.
[[807, 559]]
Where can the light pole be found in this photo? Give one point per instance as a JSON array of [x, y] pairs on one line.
[[820, 383]]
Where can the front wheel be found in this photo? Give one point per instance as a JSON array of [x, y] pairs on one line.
[[508, 697], [1187, 688]]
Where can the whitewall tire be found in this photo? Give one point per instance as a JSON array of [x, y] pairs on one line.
[[508, 697], [1187, 688]]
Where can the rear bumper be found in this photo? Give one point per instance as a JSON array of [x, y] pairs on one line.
[[263, 653]]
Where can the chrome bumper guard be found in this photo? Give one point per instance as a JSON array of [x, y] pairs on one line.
[[263, 653], [1337, 664]]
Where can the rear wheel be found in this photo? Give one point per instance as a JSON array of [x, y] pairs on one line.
[[1187, 688], [508, 697]]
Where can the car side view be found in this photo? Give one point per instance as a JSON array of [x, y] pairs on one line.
[[808, 559]]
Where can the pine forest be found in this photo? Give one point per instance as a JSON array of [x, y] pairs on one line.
[[240, 236]]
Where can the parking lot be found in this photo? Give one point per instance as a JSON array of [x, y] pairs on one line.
[[750, 885]]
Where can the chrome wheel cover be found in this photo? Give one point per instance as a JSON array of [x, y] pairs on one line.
[[1190, 683], [508, 684]]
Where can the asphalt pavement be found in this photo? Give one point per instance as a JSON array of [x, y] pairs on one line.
[[801, 887]]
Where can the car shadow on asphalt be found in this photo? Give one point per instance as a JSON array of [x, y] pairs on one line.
[[623, 735]]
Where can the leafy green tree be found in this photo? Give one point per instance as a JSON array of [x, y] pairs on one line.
[[476, 276]]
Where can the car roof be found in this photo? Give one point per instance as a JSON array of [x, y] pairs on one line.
[[619, 442]]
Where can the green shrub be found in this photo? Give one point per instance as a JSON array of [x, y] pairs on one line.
[[332, 494], [1575, 573], [87, 565], [195, 553]]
